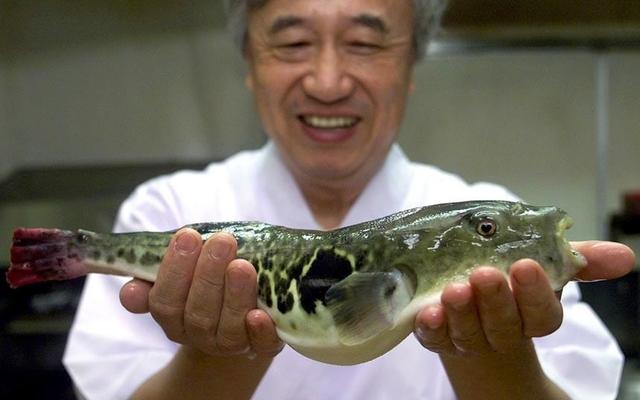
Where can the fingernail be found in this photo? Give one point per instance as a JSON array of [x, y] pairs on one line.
[[421, 333], [460, 305], [489, 288], [237, 280], [186, 243], [526, 276], [219, 250]]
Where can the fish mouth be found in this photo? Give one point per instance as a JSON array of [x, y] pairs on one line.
[[572, 260]]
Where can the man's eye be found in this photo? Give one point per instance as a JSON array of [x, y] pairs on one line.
[[364, 47], [294, 45]]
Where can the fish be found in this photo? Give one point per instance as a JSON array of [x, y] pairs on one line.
[[342, 296]]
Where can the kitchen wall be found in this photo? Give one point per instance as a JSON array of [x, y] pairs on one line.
[[524, 119], [624, 149], [138, 100]]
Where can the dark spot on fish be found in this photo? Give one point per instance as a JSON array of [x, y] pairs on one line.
[[285, 303], [149, 258], [327, 269], [130, 256], [282, 291], [267, 262], [264, 289], [361, 260], [295, 270], [120, 252], [95, 254], [111, 258], [294, 326]]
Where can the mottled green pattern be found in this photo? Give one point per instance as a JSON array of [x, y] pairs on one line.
[[420, 250]]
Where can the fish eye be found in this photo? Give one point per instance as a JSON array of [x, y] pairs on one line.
[[486, 227]]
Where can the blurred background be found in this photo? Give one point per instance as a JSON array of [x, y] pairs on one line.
[[98, 96]]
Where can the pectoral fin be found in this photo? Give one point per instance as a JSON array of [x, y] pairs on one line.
[[365, 304]]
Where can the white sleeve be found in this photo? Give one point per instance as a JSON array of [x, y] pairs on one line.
[[110, 351], [581, 357]]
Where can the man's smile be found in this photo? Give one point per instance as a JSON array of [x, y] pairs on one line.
[[328, 122]]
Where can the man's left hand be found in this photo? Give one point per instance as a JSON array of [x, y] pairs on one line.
[[484, 315]]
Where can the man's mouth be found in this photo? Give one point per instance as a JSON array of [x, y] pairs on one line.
[[318, 122]]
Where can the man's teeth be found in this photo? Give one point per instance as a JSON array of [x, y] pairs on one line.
[[330, 122]]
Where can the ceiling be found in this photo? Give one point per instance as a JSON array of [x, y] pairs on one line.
[[40, 25]]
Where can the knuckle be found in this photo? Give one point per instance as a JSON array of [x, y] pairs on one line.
[[199, 322], [436, 343], [271, 351], [208, 281], [176, 272], [234, 311], [165, 310], [542, 328], [229, 345], [468, 339], [543, 319], [506, 328]]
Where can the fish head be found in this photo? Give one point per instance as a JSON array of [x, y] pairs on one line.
[[513, 231], [457, 237]]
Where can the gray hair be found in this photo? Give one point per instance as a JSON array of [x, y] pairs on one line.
[[426, 20]]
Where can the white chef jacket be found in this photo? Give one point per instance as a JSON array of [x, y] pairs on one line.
[[110, 351]]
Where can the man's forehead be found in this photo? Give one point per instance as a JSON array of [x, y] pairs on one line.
[[373, 21], [379, 15]]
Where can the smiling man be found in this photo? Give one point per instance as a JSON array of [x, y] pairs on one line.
[[330, 79]]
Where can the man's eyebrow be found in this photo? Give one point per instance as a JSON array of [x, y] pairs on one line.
[[284, 22], [371, 21]]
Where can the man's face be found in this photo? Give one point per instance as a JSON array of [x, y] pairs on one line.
[[330, 79]]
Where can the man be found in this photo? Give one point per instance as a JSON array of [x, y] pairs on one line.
[[330, 80]]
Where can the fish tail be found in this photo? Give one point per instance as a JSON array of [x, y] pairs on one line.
[[39, 255]]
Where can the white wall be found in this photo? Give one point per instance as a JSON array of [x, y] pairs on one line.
[[624, 146], [521, 119], [135, 101]]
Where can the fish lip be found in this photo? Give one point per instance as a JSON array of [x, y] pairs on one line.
[[570, 257]]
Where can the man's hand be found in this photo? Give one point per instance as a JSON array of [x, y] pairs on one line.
[[484, 315], [482, 329], [205, 298]]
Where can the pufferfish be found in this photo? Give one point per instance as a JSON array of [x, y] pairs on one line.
[[342, 296]]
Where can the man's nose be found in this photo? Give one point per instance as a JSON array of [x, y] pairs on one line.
[[328, 80]]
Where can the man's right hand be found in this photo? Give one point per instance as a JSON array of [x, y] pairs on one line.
[[205, 298]]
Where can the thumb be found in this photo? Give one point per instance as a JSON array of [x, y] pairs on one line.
[[134, 296]]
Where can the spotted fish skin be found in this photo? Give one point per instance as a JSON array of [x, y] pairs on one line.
[[343, 296]]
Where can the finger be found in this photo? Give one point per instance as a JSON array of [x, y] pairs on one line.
[[134, 296], [240, 296], [497, 308], [605, 260], [431, 330], [464, 326], [204, 302], [262, 334], [168, 295], [540, 310]]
